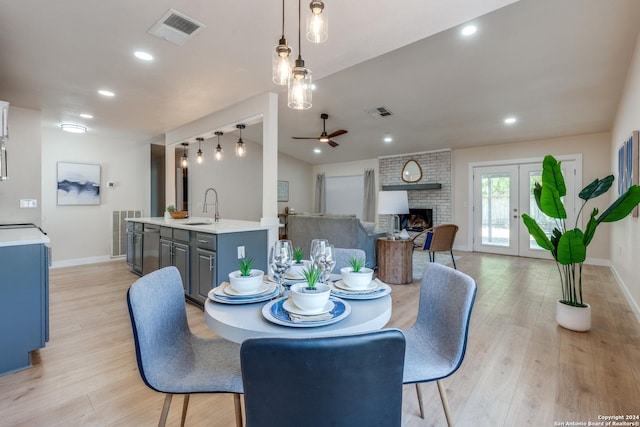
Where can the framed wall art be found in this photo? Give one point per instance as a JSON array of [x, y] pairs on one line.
[[283, 191], [628, 159], [78, 184]]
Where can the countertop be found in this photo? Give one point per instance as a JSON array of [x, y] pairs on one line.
[[204, 224], [22, 236]]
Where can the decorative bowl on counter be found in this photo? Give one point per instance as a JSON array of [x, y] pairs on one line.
[[179, 214]]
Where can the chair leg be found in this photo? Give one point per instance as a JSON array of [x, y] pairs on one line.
[[238, 407], [185, 405], [420, 400], [445, 403], [165, 410], [454, 260]]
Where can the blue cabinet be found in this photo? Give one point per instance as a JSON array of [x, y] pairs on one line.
[[24, 304]]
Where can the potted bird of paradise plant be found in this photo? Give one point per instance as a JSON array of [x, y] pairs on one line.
[[568, 246]]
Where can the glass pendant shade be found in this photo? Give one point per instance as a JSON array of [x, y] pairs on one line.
[[218, 154], [199, 158], [184, 159], [317, 23], [241, 150], [299, 88], [281, 63]]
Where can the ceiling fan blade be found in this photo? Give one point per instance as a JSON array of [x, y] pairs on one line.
[[305, 137], [337, 133], [332, 143]]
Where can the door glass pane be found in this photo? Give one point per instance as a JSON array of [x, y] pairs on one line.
[[545, 222], [495, 208]]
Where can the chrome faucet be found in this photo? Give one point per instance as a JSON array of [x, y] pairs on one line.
[[204, 205]]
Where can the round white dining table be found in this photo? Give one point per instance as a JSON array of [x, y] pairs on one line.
[[237, 322]]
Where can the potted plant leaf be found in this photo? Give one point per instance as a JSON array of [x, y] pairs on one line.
[[298, 265], [310, 295], [568, 246], [356, 276], [176, 214], [246, 280]]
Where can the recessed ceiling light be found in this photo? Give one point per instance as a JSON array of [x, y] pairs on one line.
[[388, 138], [510, 120], [86, 116], [68, 127], [105, 92], [143, 55], [317, 150], [469, 30]]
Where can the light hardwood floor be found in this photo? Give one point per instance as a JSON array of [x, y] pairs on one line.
[[520, 368]]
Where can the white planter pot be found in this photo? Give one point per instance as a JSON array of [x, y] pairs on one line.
[[311, 301], [246, 284], [573, 318], [360, 280]]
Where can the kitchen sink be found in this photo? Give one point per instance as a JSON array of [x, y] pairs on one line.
[[198, 223]]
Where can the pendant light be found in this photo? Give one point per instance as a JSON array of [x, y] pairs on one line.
[[299, 87], [281, 58], [199, 150], [241, 150], [184, 160], [317, 23], [218, 148]]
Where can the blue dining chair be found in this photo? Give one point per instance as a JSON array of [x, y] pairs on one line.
[[341, 381], [437, 341], [171, 359]]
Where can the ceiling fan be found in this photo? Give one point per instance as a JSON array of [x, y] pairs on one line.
[[323, 136]]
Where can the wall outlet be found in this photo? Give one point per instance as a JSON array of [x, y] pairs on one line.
[[28, 203], [240, 252]]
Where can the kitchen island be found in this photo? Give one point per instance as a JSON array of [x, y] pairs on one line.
[[203, 251], [24, 295]]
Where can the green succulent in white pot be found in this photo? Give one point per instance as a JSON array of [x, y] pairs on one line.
[[568, 246]]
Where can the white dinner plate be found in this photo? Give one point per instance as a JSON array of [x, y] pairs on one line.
[[218, 295], [291, 306], [379, 291], [264, 287], [370, 287]]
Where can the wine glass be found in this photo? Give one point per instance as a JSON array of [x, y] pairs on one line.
[[323, 257], [329, 262], [317, 248], [280, 260]]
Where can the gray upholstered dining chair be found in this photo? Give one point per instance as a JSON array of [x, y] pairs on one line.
[[171, 359], [341, 381], [437, 341], [344, 254]]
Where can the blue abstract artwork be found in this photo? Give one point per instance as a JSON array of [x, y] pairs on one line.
[[78, 184]]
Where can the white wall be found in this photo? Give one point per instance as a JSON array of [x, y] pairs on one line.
[[625, 234], [300, 176], [23, 151], [82, 234]]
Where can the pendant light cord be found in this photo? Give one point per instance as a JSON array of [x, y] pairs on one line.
[[299, 43], [282, 18]]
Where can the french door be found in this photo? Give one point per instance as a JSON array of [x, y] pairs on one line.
[[501, 194]]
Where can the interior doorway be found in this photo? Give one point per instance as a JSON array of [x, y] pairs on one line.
[[503, 192], [158, 178]]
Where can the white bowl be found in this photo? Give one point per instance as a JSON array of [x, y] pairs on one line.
[[310, 301], [359, 280], [246, 284], [295, 272]]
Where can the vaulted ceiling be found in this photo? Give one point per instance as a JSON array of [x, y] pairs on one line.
[[558, 66]]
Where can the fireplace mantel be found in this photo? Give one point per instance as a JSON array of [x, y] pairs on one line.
[[408, 187]]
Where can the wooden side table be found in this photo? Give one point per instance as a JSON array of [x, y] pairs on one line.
[[395, 263]]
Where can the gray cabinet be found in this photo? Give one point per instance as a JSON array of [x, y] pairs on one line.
[[24, 304], [205, 268], [135, 241], [174, 250]]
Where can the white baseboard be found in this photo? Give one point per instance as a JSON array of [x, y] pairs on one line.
[[625, 291], [83, 261]]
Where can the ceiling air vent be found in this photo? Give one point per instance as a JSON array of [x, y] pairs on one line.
[[379, 112], [176, 27]]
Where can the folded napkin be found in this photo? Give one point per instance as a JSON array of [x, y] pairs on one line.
[[310, 317]]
